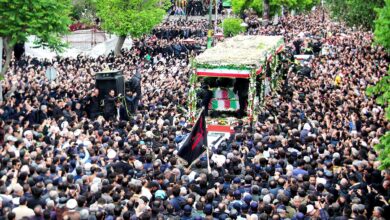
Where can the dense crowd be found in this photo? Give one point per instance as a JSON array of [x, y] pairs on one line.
[[310, 155]]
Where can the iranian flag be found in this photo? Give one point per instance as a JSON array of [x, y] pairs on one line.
[[224, 100]]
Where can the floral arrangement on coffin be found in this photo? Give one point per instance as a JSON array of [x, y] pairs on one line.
[[237, 57], [240, 51], [223, 121]]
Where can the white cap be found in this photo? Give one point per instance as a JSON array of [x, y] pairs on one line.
[[71, 204], [11, 138], [87, 166], [28, 132], [111, 154], [310, 208]]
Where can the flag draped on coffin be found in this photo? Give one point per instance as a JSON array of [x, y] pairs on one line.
[[224, 100], [196, 142]]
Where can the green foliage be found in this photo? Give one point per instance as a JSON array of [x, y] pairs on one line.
[[358, 13], [381, 91], [46, 19], [134, 18], [306, 5], [257, 6], [83, 9], [239, 6], [384, 151], [232, 26], [382, 26], [229, 67]]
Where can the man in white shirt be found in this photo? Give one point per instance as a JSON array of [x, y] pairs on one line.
[[23, 211]]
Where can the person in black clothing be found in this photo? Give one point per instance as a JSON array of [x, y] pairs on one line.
[[120, 111], [206, 95], [297, 44], [36, 196], [123, 166], [93, 104], [109, 105], [241, 89], [66, 112], [135, 88], [41, 115]]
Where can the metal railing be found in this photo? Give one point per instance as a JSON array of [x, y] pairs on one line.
[[85, 39]]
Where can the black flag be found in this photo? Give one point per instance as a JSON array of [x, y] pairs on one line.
[[196, 142]]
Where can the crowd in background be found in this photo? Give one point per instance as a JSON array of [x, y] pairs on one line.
[[309, 156]]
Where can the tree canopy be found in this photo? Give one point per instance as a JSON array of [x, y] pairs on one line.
[[239, 6], [48, 20], [134, 18], [84, 10], [382, 26], [232, 26], [381, 93], [358, 13]]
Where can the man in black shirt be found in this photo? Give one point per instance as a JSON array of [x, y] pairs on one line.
[[109, 105], [93, 104], [241, 89]]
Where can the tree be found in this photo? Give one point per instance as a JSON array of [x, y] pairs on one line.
[[232, 26], [48, 20], [358, 13], [266, 11], [83, 9], [381, 93], [274, 6], [382, 26], [134, 18], [239, 5]]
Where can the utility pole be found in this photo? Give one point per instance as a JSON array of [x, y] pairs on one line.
[[209, 33], [216, 16], [210, 11]]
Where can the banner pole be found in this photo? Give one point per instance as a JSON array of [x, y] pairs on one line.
[[208, 160]]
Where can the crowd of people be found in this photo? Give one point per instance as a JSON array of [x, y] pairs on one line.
[[309, 156], [193, 7]]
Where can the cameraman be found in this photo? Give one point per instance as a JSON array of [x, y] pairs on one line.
[[109, 105]]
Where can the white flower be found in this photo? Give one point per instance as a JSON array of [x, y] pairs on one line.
[[240, 51]]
